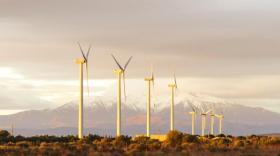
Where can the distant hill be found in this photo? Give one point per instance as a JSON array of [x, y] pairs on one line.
[[100, 118]]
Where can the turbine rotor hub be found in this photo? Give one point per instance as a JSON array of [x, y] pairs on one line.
[[80, 61]]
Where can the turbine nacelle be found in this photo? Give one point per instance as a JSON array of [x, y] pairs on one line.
[[219, 116], [205, 113], [118, 71], [172, 85], [149, 79], [192, 113], [80, 61]]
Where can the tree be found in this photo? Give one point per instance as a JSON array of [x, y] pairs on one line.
[[4, 134]]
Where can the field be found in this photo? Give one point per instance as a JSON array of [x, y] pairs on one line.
[[176, 144]]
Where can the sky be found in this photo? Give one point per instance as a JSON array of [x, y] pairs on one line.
[[228, 49]]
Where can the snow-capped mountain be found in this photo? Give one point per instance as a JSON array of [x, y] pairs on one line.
[[100, 117]]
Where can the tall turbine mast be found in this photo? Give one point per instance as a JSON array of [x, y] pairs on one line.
[[81, 62], [149, 80], [212, 122], [203, 122], [173, 87], [220, 117], [193, 115], [120, 75]]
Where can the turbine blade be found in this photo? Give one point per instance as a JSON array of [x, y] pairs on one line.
[[208, 111], [127, 62], [192, 107], [82, 51], [88, 51], [202, 109], [117, 62], [175, 80]]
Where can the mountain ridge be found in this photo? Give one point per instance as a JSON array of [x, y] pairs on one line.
[[99, 117]]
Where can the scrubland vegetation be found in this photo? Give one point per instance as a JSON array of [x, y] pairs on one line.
[[177, 144]]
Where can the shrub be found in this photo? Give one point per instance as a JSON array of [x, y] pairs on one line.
[[190, 139], [103, 145], [141, 140], [121, 141], [23, 144], [221, 135], [241, 138], [210, 136], [154, 145], [274, 141], [174, 138], [134, 147], [239, 143]]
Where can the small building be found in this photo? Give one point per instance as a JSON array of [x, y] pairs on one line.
[[160, 137]]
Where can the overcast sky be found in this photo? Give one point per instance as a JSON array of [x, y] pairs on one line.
[[223, 48]]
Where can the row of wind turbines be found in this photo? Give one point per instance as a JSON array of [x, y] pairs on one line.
[[203, 113], [120, 73]]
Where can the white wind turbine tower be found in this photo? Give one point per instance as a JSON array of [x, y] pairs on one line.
[[120, 75], [173, 87], [212, 115], [220, 117], [81, 62], [193, 115], [149, 80], [212, 122], [203, 121]]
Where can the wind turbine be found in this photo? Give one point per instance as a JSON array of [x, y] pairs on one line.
[[81, 62], [172, 86], [149, 80], [212, 122], [193, 114], [120, 75], [220, 117], [203, 122]]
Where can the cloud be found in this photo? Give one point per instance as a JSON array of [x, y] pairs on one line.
[[28, 93], [9, 73], [226, 49], [9, 112]]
